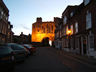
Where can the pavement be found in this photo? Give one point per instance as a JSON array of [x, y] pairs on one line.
[[80, 58]]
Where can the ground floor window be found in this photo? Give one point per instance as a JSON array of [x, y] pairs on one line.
[[91, 40], [76, 42], [72, 43]]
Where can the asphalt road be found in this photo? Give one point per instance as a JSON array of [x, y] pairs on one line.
[[49, 60]]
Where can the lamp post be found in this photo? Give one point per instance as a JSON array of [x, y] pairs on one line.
[[69, 33]]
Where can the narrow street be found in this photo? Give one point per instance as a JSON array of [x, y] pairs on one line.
[[48, 60]]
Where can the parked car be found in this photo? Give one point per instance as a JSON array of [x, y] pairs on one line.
[[30, 48], [28, 52], [19, 51], [6, 58]]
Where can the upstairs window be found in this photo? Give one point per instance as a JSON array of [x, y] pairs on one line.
[[88, 20], [49, 30], [44, 30], [52, 29], [0, 28], [47, 25], [71, 14], [2, 12], [8, 26], [86, 2], [66, 29], [72, 28], [76, 27], [6, 18], [33, 26], [65, 20], [38, 25]]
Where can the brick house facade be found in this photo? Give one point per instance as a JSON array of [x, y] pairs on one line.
[[58, 25], [4, 14], [6, 33], [81, 19]]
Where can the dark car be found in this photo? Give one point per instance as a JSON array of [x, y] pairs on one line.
[[6, 58], [30, 48], [27, 51], [19, 51]]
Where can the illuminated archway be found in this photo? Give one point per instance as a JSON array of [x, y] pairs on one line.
[[45, 41]]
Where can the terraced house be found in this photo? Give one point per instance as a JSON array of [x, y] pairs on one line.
[[59, 26], [81, 20], [5, 26]]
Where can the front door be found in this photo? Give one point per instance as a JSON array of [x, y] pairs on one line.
[[84, 44]]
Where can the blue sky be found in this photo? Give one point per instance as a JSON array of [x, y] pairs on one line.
[[24, 12]]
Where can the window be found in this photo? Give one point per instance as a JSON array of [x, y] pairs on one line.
[[47, 25], [5, 31], [62, 32], [72, 28], [65, 20], [52, 29], [44, 30], [8, 26], [49, 30], [6, 18], [38, 26], [0, 14], [88, 20], [86, 2], [76, 27], [91, 37], [33, 26], [71, 14], [0, 29], [66, 29]]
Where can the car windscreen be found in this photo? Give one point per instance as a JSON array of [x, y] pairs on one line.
[[5, 50]]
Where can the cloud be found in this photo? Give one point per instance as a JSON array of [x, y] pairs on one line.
[[22, 28], [18, 31], [25, 27]]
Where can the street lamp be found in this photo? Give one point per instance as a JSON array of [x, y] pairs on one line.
[[69, 33]]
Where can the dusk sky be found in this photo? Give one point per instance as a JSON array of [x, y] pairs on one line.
[[24, 12]]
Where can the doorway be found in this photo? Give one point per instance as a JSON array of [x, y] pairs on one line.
[[84, 45]]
